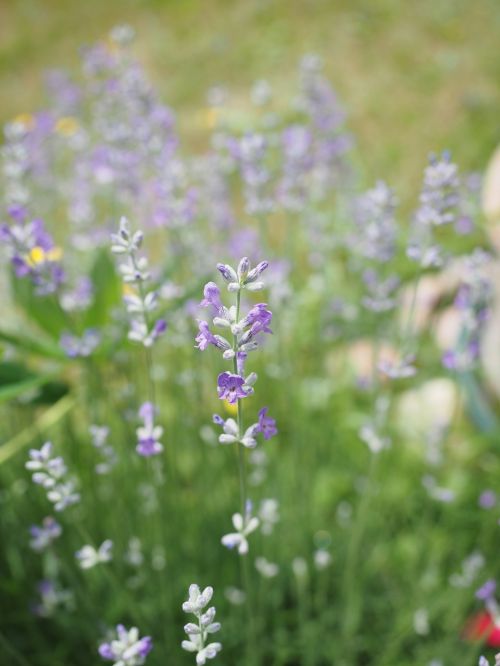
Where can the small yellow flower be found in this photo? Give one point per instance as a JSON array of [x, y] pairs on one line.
[[231, 409], [37, 255], [67, 126], [25, 119], [211, 117]]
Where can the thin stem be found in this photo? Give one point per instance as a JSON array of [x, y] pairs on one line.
[[245, 573]]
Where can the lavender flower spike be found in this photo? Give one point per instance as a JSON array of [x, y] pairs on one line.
[[51, 473], [135, 273], [127, 649], [198, 632], [148, 434], [42, 537]]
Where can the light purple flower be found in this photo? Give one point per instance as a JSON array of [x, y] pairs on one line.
[[486, 591], [258, 318], [84, 346], [127, 649], [148, 434], [43, 536], [205, 337], [231, 387], [267, 425], [211, 298], [487, 499]]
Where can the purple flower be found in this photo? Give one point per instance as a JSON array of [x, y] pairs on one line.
[[159, 328], [211, 298], [42, 537], [259, 319], [148, 434], [75, 347], [267, 425], [231, 387], [127, 649], [486, 591], [487, 499], [205, 337]]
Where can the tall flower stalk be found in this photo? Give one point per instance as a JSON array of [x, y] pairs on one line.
[[140, 304], [234, 387], [246, 333]]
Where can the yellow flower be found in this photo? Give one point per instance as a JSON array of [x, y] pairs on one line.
[[211, 118], [37, 255], [231, 409], [67, 126]]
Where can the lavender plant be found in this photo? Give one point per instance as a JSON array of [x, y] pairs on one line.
[[127, 648], [234, 386], [52, 474], [198, 632]]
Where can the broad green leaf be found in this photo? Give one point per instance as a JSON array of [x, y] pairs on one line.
[[16, 379], [107, 291], [44, 311], [38, 346], [49, 418], [477, 404]]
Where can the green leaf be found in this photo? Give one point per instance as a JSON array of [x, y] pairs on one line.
[[44, 311], [38, 346], [478, 406], [16, 379], [50, 417], [107, 291]]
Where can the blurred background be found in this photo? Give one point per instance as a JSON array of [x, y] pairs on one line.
[[414, 77]]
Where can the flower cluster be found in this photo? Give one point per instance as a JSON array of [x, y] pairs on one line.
[[42, 536], [148, 434], [32, 251], [199, 632], [231, 434], [134, 270], [244, 526], [88, 556], [51, 473], [127, 649], [372, 244], [440, 204], [235, 386], [80, 347], [52, 598], [246, 334]]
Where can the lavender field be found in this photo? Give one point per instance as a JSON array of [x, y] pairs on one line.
[[250, 343]]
